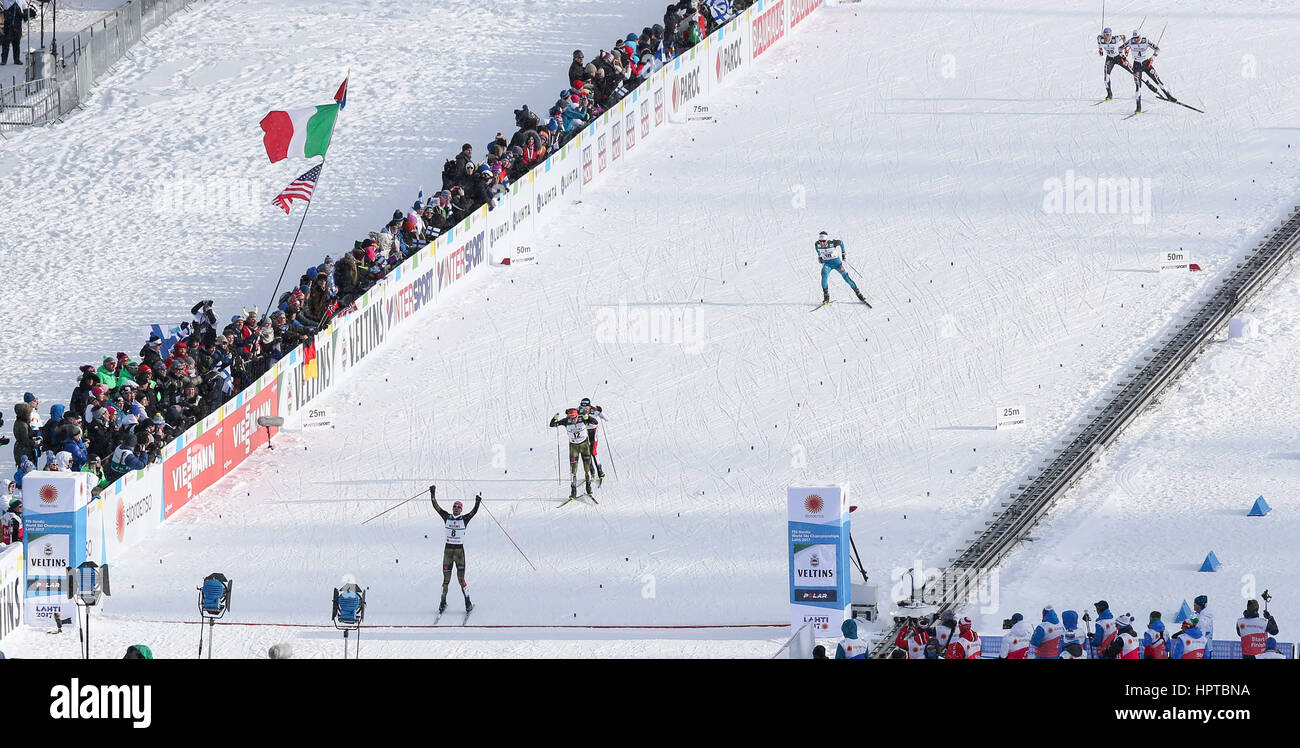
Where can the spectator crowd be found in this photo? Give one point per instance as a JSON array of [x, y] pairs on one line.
[[1070, 636], [123, 410]]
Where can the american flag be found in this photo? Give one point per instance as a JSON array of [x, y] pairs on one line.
[[300, 189]]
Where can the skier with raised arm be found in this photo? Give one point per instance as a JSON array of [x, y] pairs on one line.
[[453, 552], [576, 426], [831, 255]]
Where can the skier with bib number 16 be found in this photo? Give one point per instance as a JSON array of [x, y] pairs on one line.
[[831, 253]]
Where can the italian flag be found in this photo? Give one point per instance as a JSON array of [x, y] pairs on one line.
[[299, 133]]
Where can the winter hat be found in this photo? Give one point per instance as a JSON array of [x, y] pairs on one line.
[[1016, 618], [1201, 600], [97, 391], [1101, 605], [1155, 615], [138, 652], [1252, 606], [965, 623], [1124, 620], [1189, 622], [577, 54], [1270, 644], [155, 341], [56, 412], [28, 397]]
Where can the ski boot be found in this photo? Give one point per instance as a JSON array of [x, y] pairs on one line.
[[588, 484], [573, 490], [861, 298], [826, 296], [1139, 107], [468, 605], [442, 605], [600, 472]]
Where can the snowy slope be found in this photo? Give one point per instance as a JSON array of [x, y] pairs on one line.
[[981, 299], [157, 194]]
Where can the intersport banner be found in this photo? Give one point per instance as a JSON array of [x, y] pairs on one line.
[[213, 448]]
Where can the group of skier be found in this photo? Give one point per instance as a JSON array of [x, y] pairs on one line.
[[580, 425], [1135, 54]]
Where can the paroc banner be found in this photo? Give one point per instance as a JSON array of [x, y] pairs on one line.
[[819, 558]]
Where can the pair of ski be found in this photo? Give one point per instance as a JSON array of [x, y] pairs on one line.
[[828, 303], [575, 498], [464, 620]]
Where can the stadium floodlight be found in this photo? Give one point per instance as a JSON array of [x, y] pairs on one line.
[[86, 586], [268, 423], [348, 613], [214, 603]]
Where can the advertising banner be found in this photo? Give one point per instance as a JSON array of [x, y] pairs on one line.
[[767, 25], [688, 81], [11, 589], [240, 434], [731, 50], [801, 9], [54, 538], [819, 558], [132, 509], [195, 463]]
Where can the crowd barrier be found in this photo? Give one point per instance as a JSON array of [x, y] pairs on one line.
[[128, 510]]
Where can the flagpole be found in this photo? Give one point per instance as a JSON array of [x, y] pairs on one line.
[[270, 305]]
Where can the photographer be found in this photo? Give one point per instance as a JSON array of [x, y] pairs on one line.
[[1015, 643], [1188, 644], [1106, 629], [913, 637], [1255, 630]]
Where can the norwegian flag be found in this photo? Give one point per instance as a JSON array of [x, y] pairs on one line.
[[300, 189]]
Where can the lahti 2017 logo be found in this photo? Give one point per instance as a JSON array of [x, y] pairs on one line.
[[814, 504], [49, 494]]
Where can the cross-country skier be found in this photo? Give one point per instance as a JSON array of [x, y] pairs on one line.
[[576, 425], [1111, 46], [1143, 52], [585, 408], [830, 253], [453, 553]]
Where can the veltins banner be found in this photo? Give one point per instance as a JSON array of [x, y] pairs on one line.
[[819, 558]]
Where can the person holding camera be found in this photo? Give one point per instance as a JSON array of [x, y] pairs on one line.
[[1105, 631], [1188, 644], [1015, 643], [1255, 630], [913, 637], [966, 644]]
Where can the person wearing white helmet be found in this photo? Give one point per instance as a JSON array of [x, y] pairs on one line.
[[1142, 52], [1111, 47], [831, 255]]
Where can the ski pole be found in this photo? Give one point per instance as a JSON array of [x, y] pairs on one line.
[[432, 489], [559, 459], [610, 451], [503, 529], [1162, 34]]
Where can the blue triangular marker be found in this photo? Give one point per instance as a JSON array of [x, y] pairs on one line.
[[1211, 562], [1184, 613], [1260, 508]]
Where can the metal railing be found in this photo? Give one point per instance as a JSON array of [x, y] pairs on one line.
[[79, 61], [1162, 366]]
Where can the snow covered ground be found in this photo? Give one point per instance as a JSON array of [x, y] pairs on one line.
[[930, 152]]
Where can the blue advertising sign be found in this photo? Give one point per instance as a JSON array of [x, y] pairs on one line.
[[819, 558]]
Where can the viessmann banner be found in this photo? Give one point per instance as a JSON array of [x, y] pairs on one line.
[[136, 504], [819, 557]]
